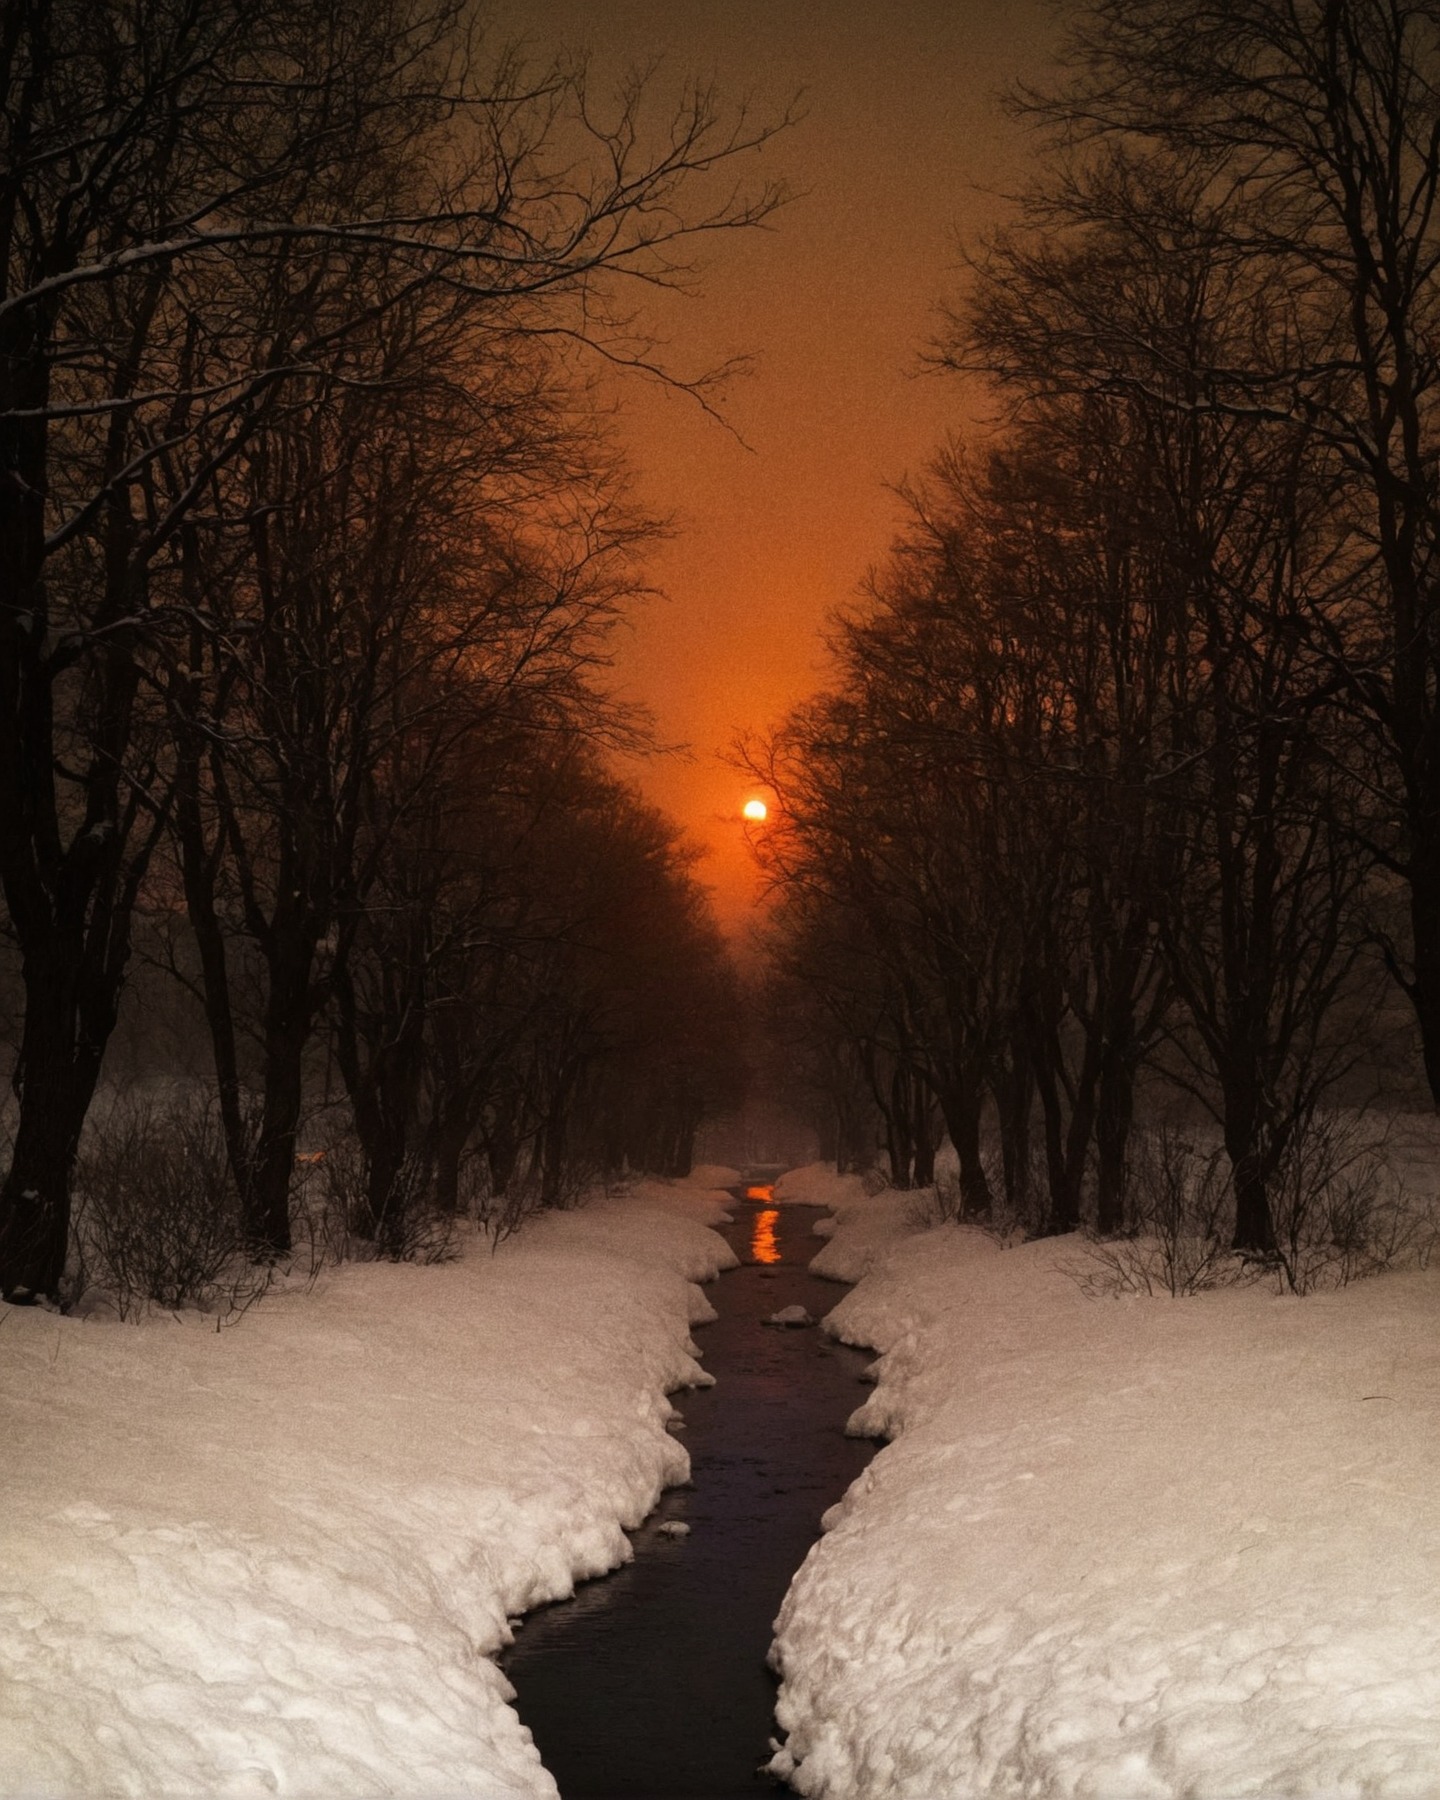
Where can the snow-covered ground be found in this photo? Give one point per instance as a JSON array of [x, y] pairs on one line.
[[862, 1229], [1121, 1549], [1117, 1549], [277, 1558], [713, 1175], [817, 1184]]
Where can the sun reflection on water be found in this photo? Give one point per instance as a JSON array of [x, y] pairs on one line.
[[763, 1247]]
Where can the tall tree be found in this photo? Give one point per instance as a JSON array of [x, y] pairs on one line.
[[1317, 122], [187, 192], [1140, 307]]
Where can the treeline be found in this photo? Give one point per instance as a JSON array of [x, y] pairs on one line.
[[311, 542], [1131, 761]]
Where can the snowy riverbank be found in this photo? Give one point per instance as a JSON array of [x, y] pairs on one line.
[[1121, 1549], [278, 1557]]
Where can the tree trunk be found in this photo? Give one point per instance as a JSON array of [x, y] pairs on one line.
[[553, 1139], [73, 976], [962, 1105], [681, 1157], [56, 1079], [69, 908], [35, 1204], [502, 1154], [385, 1165], [396, 1082], [1254, 1223], [286, 1033], [1063, 1213], [923, 1170], [1114, 1118], [1254, 1233], [450, 1136], [198, 871], [1014, 1091], [1424, 990], [1079, 1135], [898, 1140]]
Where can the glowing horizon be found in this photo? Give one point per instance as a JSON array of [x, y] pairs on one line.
[[901, 154]]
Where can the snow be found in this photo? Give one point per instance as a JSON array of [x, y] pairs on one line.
[[278, 1558], [1116, 1549], [817, 1184], [713, 1175], [1120, 1549], [790, 1316], [862, 1230]]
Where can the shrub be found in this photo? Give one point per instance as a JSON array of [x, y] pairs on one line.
[[1339, 1214], [529, 1193], [1017, 1219], [409, 1226], [500, 1216], [1339, 1211], [1180, 1223], [157, 1220], [320, 1227]]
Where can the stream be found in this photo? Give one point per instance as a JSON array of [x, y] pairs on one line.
[[652, 1680]]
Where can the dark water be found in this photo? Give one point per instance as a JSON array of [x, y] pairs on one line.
[[652, 1681]]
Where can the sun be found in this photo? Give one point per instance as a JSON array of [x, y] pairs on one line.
[[755, 810]]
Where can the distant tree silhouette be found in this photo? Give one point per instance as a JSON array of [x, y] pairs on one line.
[[1313, 132], [212, 219]]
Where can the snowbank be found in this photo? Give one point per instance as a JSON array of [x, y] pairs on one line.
[[1124, 1549], [863, 1230], [705, 1204], [817, 1184], [713, 1175], [861, 1226], [277, 1558]]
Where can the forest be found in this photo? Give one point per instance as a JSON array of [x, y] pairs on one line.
[[315, 536], [850, 1344], [1124, 800]]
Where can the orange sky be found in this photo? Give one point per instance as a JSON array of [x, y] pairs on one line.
[[899, 155]]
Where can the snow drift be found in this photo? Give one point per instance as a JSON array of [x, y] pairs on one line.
[[817, 1184], [1122, 1550], [278, 1558]]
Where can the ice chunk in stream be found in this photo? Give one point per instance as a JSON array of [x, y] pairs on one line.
[[790, 1315]]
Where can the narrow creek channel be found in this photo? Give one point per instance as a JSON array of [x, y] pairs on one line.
[[652, 1680]]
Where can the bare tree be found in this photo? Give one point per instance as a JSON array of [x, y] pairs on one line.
[[1131, 301], [186, 194], [1315, 125]]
